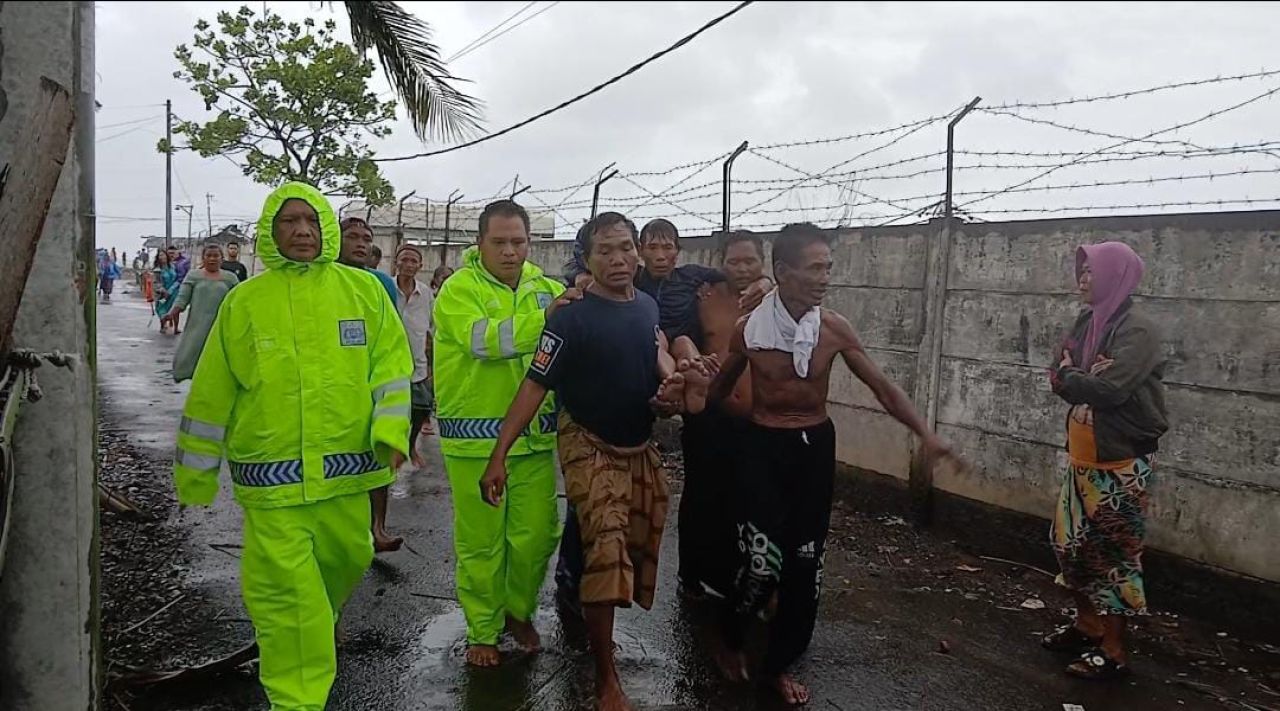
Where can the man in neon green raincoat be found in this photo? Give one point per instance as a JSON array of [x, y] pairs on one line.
[[488, 324], [303, 387]]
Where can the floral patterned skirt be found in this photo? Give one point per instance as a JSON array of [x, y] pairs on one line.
[[1098, 532]]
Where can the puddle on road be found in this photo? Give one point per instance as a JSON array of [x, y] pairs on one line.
[[441, 638]]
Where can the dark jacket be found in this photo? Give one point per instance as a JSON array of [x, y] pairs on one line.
[[677, 295], [1129, 414]]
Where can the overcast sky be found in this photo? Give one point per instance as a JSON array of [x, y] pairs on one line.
[[774, 73]]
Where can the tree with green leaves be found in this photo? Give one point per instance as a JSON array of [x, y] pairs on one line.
[[292, 102]]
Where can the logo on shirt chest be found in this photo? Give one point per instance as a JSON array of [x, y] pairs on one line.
[[546, 354], [351, 333]]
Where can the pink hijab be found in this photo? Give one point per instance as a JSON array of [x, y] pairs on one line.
[[1117, 269]]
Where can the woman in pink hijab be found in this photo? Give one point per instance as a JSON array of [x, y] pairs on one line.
[[1109, 373]]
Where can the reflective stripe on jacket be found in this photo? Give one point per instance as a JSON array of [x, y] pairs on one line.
[[303, 385], [484, 339]]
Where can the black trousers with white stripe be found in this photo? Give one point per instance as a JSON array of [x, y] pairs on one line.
[[783, 491]]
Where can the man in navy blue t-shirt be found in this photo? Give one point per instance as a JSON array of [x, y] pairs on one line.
[[607, 360]]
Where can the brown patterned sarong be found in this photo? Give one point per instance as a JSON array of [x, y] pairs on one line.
[[620, 494]]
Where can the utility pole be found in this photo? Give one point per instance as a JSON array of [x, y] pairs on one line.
[[208, 212], [189, 209], [929, 361], [168, 173]]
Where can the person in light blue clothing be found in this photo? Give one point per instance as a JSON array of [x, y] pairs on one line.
[[357, 248]]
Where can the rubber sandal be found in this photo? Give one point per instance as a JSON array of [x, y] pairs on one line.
[[1068, 638], [1095, 665]]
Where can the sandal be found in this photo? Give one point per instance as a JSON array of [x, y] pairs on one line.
[[1095, 665], [1069, 638]]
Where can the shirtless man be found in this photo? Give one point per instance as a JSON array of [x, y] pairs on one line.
[[710, 440], [788, 458]]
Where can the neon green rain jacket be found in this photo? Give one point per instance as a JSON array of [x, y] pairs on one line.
[[485, 338], [303, 384]]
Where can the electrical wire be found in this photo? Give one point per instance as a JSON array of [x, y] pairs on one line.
[[464, 53], [467, 47], [570, 102]]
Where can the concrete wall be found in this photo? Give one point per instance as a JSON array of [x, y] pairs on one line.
[[1213, 283], [48, 588]]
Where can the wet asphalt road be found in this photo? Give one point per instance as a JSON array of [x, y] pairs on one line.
[[875, 647]]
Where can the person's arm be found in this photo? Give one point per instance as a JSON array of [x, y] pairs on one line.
[[461, 319], [521, 412], [206, 415], [890, 396], [184, 297], [732, 368], [1134, 354]]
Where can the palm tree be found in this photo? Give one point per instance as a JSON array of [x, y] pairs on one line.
[[417, 73]]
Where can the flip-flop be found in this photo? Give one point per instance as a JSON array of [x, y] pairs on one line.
[[1095, 665], [1069, 638]]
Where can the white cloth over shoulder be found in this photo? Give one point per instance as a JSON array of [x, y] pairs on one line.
[[771, 328]]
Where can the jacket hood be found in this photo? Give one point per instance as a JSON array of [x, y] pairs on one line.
[[330, 233], [471, 258]]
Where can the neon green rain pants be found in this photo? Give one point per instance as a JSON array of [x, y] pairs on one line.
[[502, 551], [300, 565]]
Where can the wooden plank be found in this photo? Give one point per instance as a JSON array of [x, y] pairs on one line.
[[27, 184]]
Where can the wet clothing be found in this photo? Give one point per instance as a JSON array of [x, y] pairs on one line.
[[485, 336], [502, 551], [784, 488], [1127, 399], [166, 289], [1098, 532], [711, 442], [199, 297], [235, 268], [620, 495], [597, 346], [677, 298], [484, 340], [303, 387], [298, 567]]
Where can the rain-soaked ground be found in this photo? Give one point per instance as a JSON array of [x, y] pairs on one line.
[[908, 621]]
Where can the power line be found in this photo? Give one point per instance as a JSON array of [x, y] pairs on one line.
[[491, 30], [125, 132], [464, 53], [126, 123], [1175, 127], [594, 90], [1138, 92]]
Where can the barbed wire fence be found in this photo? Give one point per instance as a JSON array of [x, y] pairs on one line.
[[1007, 150]]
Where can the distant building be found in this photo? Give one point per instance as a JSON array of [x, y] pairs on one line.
[[424, 224]]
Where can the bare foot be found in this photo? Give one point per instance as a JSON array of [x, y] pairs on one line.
[[427, 428], [792, 691], [733, 664], [609, 697], [525, 634], [672, 389], [696, 383], [384, 542], [483, 655], [419, 461]]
